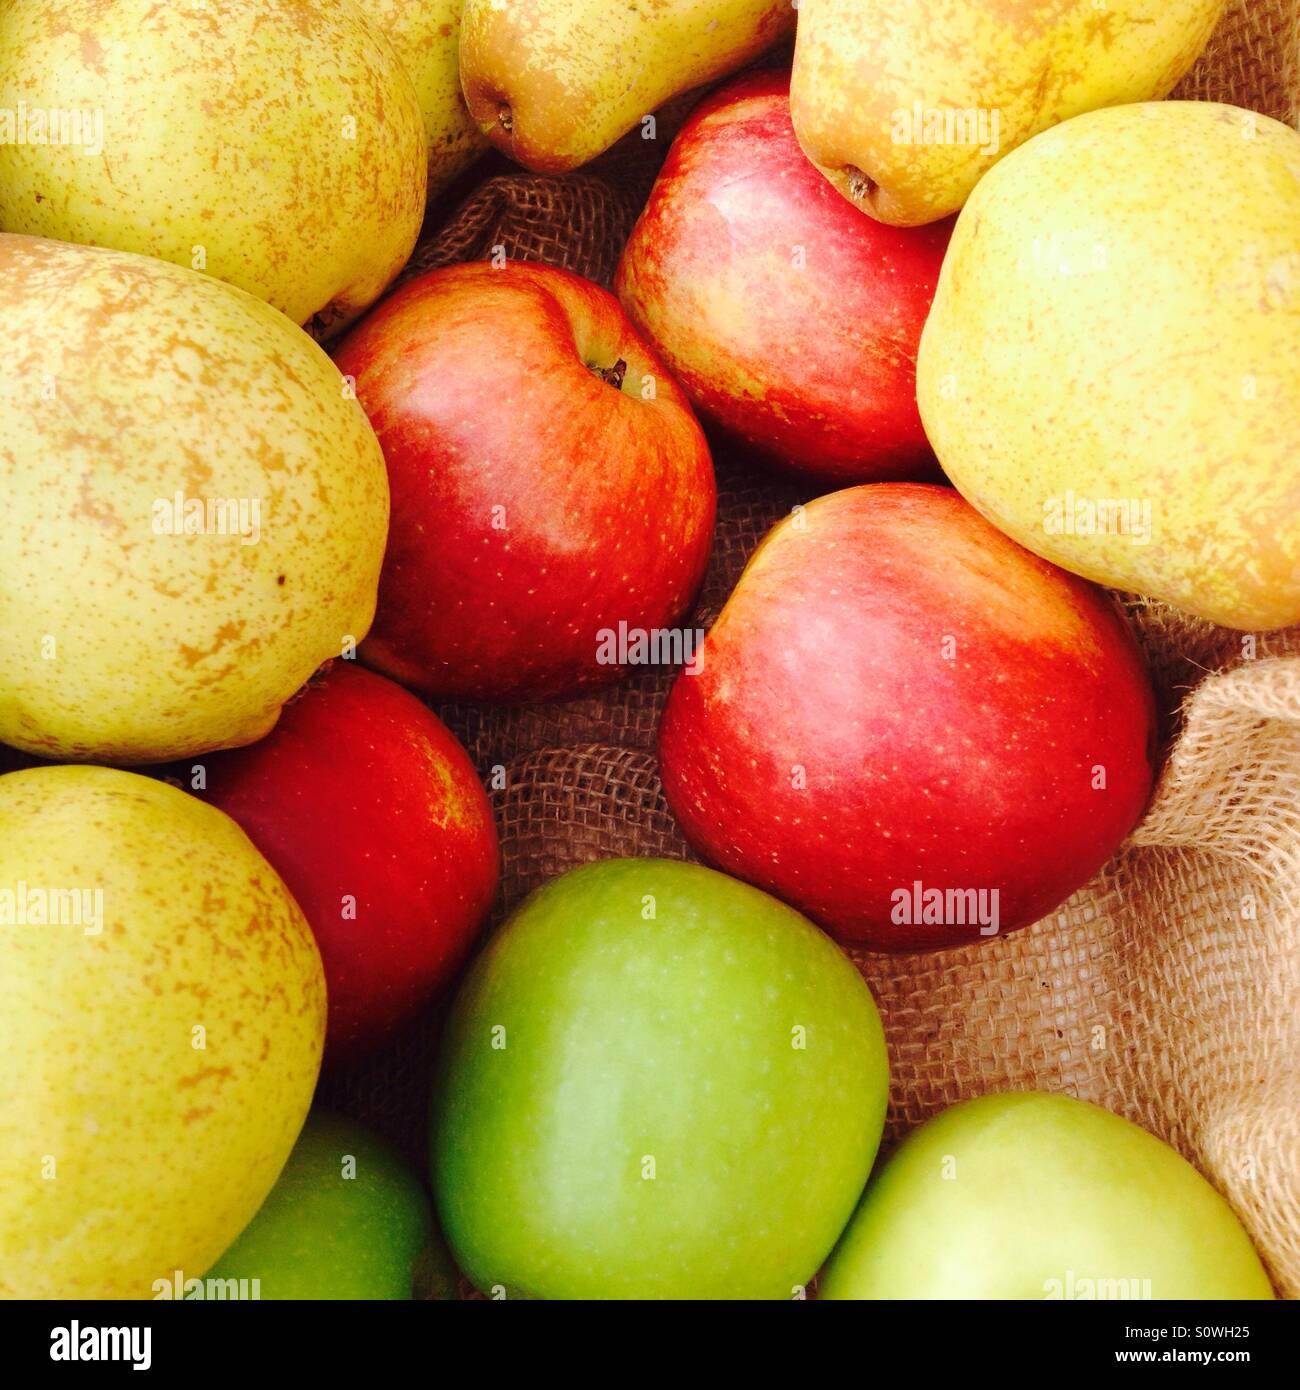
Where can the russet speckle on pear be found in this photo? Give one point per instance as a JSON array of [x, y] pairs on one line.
[[157, 1057], [131, 383], [277, 145], [1116, 334], [426, 36], [904, 107], [554, 83]]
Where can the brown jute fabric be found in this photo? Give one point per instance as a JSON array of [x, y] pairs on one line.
[[1166, 990]]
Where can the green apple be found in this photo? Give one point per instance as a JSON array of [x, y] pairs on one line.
[[346, 1220], [656, 1082], [1028, 1195]]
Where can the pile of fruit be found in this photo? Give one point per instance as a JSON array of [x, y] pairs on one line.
[[1023, 329]]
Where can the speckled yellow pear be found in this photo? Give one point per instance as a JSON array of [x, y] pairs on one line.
[[554, 83], [426, 35], [193, 513], [904, 106], [163, 1011], [1110, 371], [275, 144]]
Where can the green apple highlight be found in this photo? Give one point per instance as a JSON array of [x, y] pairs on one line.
[[346, 1220], [656, 1082], [1028, 1195]]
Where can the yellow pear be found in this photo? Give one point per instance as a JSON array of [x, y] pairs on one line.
[[275, 144], [426, 36], [1110, 371], [194, 512], [553, 83], [162, 1012], [905, 106]]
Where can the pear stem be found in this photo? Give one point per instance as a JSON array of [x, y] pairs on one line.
[[861, 186]]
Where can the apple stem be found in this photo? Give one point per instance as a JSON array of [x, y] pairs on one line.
[[612, 376]]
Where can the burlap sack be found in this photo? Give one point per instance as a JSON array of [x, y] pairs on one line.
[[1166, 990]]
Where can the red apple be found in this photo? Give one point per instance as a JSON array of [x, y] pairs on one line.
[[549, 481], [371, 812], [791, 319], [909, 727]]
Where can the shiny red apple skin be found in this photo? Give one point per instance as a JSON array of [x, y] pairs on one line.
[[944, 697], [360, 792], [534, 504], [790, 318]]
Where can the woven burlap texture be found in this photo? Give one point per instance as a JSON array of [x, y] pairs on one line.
[[1166, 990]]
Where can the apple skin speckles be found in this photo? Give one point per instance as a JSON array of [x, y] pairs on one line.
[[535, 504], [895, 694], [395, 864], [790, 320]]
